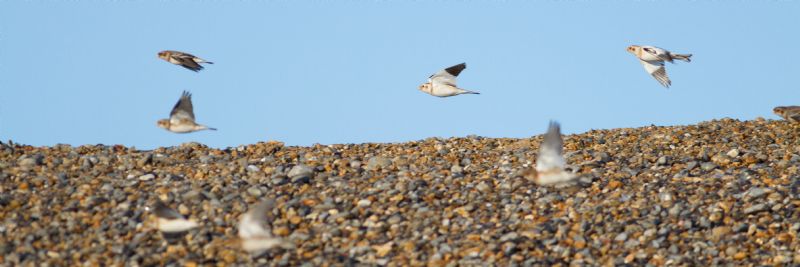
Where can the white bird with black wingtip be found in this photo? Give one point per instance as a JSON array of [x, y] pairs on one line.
[[653, 58], [443, 82]]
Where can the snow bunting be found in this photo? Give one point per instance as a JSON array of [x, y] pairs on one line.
[[789, 113], [170, 222], [181, 119], [652, 58], [254, 236], [443, 83], [550, 162], [185, 60]]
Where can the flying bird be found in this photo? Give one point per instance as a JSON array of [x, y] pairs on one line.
[[653, 58], [185, 60], [789, 113], [181, 119], [169, 221], [443, 83], [550, 162], [254, 235]]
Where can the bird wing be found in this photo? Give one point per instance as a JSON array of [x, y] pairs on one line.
[[162, 211], [183, 110], [659, 53], [448, 76], [252, 223], [795, 116], [657, 70], [551, 150], [187, 61]]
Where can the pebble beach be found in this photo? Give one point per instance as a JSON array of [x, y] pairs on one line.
[[721, 192]]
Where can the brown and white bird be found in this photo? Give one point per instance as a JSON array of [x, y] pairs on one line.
[[181, 119], [789, 113], [169, 221], [185, 60], [550, 162], [653, 58], [443, 82], [255, 235]]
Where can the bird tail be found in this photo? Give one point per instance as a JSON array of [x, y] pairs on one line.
[[465, 91], [684, 57], [200, 60]]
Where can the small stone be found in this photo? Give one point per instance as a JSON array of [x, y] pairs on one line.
[[707, 166], [252, 168], [299, 171], [740, 255], [376, 163], [254, 191], [512, 236], [756, 192], [30, 162], [755, 209], [364, 203], [691, 165], [183, 209], [483, 187], [663, 160], [733, 153], [719, 232], [278, 180], [665, 197], [455, 169], [281, 231], [355, 164], [147, 177], [301, 179], [621, 237], [730, 251], [395, 219], [614, 184]]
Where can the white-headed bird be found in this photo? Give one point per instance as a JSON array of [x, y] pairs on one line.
[[181, 118], [653, 58], [443, 83], [182, 59], [254, 235], [550, 162]]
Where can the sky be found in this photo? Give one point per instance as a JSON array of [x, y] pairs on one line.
[[333, 72]]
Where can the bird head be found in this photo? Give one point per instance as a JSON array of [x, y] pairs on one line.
[[779, 111], [633, 49], [426, 87], [163, 123], [163, 55]]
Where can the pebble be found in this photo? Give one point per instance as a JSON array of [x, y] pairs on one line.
[[755, 208], [300, 171], [253, 168], [364, 203], [656, 196], [707, 166], [376, 163], [254, 191], [147, 177]]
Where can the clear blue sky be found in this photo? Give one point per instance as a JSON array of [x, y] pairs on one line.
[[86, 72]]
